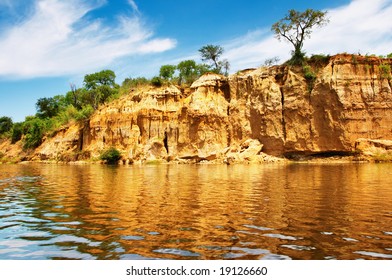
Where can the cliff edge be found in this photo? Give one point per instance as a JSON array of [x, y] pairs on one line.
[[256, 115]]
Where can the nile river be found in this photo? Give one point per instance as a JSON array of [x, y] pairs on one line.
[[294, 211]]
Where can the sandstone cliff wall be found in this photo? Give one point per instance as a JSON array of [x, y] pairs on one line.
[[246, 116]]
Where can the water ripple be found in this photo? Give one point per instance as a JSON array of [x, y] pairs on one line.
[[374, 254]]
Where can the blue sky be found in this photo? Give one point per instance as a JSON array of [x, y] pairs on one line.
[[47, 44]]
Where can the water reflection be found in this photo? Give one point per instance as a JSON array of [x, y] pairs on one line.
[[296, 211]]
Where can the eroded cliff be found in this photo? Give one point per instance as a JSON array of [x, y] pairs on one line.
[[246, 117]]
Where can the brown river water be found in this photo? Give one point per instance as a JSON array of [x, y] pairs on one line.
[[272, 211]]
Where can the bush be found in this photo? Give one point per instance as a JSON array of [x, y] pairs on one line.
[[156, 82], [319, 60], [85, 113], [111, 156], [309, 74], [385, 71], [17, 132], [297, 58], [36, 129], [5, 124]]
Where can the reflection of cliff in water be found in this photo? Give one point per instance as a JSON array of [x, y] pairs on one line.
[[195, 212]]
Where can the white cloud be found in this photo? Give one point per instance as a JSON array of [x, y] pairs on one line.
[[134, 6], [359, 26], [57, 40]]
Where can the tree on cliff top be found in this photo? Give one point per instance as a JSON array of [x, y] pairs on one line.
[[213, 53], [297, 26]]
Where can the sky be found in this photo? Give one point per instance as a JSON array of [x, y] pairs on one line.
[[47, 44]]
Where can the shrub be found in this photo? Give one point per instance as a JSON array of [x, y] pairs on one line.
[[156, 82], [354, 59], [85, 113], [36, 129], [111, 155], [385, 71], [319, 60], [389, 55], [5, 124], [17, 132], [309, 74]]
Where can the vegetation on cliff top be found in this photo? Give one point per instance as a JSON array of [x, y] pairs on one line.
[[78, 104]]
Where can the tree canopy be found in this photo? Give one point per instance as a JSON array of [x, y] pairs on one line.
[[213, 53], [167, 71], [102, 78], [5, 124], [296, 27], [48, 107]]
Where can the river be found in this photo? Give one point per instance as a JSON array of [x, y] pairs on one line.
[[270, 211]]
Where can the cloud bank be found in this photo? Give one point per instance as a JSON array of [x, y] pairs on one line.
[[361, 26], [58, 38]]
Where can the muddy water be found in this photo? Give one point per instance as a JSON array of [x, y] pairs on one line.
[[295, 211]]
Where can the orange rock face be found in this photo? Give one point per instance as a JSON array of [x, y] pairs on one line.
[[244, 117]]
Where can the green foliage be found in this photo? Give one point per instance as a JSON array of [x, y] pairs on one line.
[[5, 124], [50, 107], [111, 155], [188, 71], [85, 113], [354, 59], [166, 72], [309, 75], [35, 129], [135, 82], [17, 132], [156, 81], [98, 88], [102, 78], [385, 71], [297, 58], [389, 55], [74, 97], [66, 115], [296, 27], [319, 60], [212, 53]]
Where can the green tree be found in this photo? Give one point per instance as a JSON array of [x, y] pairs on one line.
[[188, 71], [167, 71], [212, 53], [49, 107], [102, 78], [5, 124], [35, 129], [73, 97], [17, 132], [98, 88], [296, 27]]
